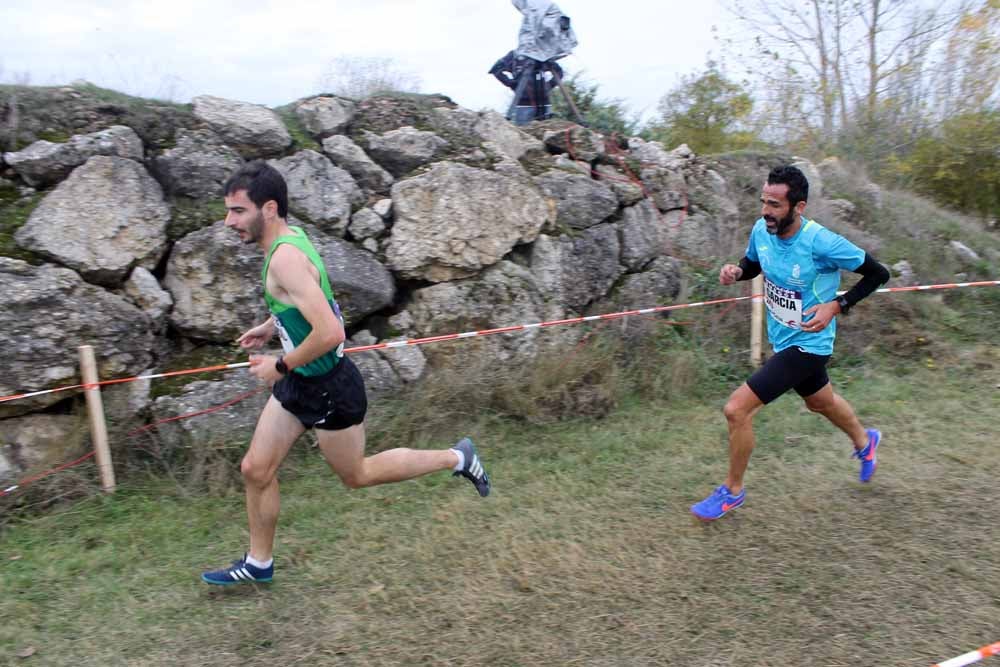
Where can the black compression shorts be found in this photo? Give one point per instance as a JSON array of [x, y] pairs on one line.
[[790, 369], [332, 401]]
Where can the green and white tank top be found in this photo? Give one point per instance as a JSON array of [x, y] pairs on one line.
[[292, 326]]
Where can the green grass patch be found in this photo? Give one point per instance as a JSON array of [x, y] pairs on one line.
[[301, 139], [585, 551], [14, 212]]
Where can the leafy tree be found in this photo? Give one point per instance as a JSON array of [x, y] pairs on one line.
[[706, 111], [602, 115], [959, 165]]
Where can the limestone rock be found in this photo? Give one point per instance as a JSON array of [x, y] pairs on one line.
[[44, 162], [455, 220], [46, 313], [107, 217], [251, 129]]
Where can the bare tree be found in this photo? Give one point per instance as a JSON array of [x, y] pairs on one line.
[[358, 77], [846, 52], [888, 32], [804, 39]]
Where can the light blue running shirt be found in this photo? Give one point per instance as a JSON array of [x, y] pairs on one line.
[[799, 273]]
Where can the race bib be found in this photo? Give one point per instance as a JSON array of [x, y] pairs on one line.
[[286, 341], [785, 305]]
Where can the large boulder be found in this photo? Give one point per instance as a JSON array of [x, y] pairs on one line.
[[107, 217], [491, 126], [251, 129], [403, 150], [215, 281], [348, 155], [325, 115], [232, 426], [361, 284], [37, 442], [198, 165], [44, 162], [388, 111], [710, 227], [503, 295], [576, 141], [644, 235], [581, 202], [659, 285], [579, 269], [454, 220], [319, 191], [47, 312], [380, 377]]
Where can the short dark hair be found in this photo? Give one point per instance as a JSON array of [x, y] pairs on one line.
[[798, 185], [262, 183]]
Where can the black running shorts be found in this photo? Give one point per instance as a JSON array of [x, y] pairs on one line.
[[790, 369], [333, 401]]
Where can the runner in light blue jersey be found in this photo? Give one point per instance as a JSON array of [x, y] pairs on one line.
[[801, 272], [801, 262]]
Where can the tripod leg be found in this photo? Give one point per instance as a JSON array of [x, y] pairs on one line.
[[569, 100], [522, 82]]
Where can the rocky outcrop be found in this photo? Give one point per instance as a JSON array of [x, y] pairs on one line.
[[430, 219]]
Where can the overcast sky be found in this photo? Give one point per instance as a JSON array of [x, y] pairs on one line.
[[274, 52]]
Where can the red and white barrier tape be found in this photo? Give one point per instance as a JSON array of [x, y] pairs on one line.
[[485, 332], [971, 657]]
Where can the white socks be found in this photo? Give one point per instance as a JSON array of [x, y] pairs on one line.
[[250, 560], [461, 460]]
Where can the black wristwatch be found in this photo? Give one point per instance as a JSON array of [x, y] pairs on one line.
[[281, 366], [844, 306]]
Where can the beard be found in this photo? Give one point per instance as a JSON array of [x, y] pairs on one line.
[[776, 226], [255, 229]]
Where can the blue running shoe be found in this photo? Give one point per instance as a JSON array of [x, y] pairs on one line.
[[720, 502], [473, 469], [869, 461], [240, 572]]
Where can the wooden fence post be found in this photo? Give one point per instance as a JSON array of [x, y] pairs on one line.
[[95, 410], [757, 321]]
